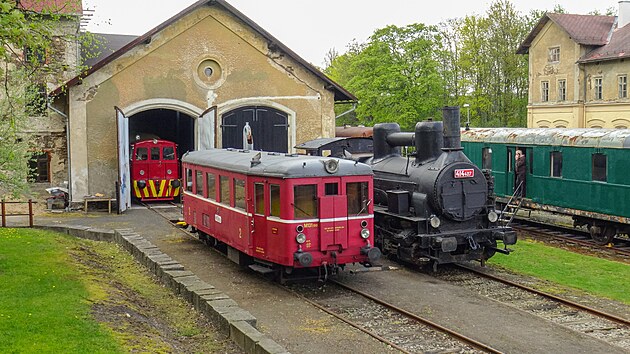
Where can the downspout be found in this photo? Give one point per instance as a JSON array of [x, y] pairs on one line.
[[67, 146], [582, 102]]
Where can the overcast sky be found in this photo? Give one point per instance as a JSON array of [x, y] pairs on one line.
[[312, 28]]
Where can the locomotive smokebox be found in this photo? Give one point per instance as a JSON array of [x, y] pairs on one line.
[[452, 134]]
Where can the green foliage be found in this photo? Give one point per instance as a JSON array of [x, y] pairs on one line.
[[590, 274], [395, 75]]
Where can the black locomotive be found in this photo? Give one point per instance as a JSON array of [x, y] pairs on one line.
[[433, 205]]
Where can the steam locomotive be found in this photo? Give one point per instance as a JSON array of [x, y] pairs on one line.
[[432, 205]]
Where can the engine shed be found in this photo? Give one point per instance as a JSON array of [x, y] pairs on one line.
[[202, 79]]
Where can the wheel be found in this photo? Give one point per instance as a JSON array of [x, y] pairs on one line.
[[602, 235]]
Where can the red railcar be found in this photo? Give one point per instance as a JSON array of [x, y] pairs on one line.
[[155, 172], [281, 212]]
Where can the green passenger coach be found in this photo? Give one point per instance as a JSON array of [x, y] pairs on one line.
[[584, 173]]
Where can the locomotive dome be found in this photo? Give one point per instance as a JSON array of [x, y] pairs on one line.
[[275, 164]]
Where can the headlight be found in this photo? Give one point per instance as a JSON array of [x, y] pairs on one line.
[[365, 233], [492, 216], [300, 238], [141, 172], [435, 221]]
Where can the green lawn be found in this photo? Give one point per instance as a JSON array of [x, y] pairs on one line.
[[44, 306], [593, 275]]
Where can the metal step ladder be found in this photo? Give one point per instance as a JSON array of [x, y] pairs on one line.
[[512, 207]]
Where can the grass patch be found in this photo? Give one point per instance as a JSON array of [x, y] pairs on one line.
[[590, 274], [44, 306], [62, 294]]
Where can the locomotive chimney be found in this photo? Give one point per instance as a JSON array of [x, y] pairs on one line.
[[428, 141], [452, 133], [380, 134]]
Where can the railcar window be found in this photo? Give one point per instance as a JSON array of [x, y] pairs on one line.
[[332, 189], [358, 198], [189, 180], [274, 200], [155, 153], [259, 201], [169, 153], [486, 158], [210, 186], [305, 201], [141, 154], [599, 168], [556, 164], [224, 191], [239, 193], [199, 183]]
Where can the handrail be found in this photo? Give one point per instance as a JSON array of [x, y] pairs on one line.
[[3, 204]]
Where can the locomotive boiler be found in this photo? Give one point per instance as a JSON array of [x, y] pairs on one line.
[[433, 205]]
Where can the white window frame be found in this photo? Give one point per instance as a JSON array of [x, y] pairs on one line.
[[562, 90], [544, 91], [598, 88], [622, 84], [554, 55]]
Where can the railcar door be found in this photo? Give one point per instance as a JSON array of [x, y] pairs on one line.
[[510, 175], [259, 218], [333, 207]]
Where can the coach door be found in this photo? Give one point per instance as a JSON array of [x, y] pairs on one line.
[[510, 174], [259, 227], [333, 213]]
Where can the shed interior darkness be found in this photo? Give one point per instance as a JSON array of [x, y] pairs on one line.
[[166, 124]]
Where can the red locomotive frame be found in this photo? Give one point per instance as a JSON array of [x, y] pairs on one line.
[[155, 172], [281, 211]]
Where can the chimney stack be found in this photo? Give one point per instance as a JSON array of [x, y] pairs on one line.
[[624, 13]]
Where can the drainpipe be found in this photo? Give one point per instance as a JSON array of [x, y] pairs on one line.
[[67, 146], [582, 102]]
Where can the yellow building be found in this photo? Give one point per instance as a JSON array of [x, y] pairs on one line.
[[578, 71]]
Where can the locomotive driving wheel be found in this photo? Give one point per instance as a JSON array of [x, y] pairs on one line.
[[602, 234]]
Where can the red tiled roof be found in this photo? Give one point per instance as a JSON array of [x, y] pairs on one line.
[[617, 48], [592, 30], [66, 7]]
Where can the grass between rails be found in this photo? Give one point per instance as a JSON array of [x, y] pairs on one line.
[[593, 275], [61, 294]]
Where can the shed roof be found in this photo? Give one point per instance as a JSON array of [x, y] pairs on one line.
[[578, 137], [340, 93], [273, 164]]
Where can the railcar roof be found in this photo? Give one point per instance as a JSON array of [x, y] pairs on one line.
[[273, 164], [576, 137]]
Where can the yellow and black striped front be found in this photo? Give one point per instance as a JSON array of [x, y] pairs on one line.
[[160, 189]]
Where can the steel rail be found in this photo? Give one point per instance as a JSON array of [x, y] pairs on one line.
[[422, 320], [567, 302]]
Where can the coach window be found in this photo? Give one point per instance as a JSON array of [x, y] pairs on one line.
[[331, 189], [141, 154], [189, 180], [224, 191], [556, 164], [210, 186], [199, 183], [358, 198], [169, 153], [274, 200], [239, 193], [486, 158], [599, 168], [259, 201], [305, 201], [155, 153]]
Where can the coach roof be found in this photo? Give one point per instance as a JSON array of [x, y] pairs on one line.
[[273, 164], [577, 137]]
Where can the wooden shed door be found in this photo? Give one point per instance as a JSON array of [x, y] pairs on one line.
[[269, 128]]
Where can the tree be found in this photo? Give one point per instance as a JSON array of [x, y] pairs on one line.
[[395, 75], [32, 60]]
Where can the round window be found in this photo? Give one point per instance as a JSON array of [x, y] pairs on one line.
[[209, 72]]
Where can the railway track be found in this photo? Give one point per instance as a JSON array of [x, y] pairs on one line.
[[400, 329], [575, 316], [620, 246]]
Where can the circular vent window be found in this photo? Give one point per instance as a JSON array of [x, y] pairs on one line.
[[209, 72]]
